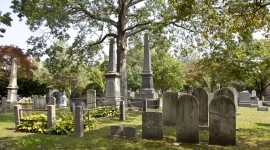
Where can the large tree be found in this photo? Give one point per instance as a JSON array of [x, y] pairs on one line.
[[98, 19]]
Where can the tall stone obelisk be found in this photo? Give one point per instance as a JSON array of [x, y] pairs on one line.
[[112, 79], [12, 87], [147, 90]]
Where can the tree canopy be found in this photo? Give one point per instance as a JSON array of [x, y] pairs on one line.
[[6, 20]]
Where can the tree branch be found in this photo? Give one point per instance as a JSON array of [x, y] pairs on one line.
[[136, 31], [132, 3], [104, 37], [136, 26], [89, 14]]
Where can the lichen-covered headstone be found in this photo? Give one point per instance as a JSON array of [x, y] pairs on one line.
[[169, 108], [222, 121], [152, 126], [202, 98], [187, 119]]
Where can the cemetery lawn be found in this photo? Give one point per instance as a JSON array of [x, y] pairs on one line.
[[253, 133]]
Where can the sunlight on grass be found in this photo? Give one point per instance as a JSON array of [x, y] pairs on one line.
[[253, 133]]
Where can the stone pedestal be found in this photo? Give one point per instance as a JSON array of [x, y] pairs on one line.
[[113, 93]]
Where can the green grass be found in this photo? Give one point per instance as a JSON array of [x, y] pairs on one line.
[[253, 133]]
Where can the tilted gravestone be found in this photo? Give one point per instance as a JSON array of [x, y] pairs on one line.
[[152, 127], [169, 108], [187, 119], [202, 98], [222, 121]]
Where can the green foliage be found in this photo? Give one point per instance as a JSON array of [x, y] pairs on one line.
[[37, 123], [29, 86], [104, 111], [64, 123], [6, 20]]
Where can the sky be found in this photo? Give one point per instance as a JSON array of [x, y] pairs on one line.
[[18, 33]]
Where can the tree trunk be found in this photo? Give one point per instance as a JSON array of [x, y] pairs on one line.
[[121, 63]]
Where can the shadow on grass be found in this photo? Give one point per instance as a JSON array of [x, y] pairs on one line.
[[263, 124]]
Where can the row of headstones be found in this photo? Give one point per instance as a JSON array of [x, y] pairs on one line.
[[187, 112], [39, 102]]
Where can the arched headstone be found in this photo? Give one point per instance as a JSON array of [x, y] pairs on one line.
[[187, 119], [202, 98], [222, 121], [169, 108], [227, 92]]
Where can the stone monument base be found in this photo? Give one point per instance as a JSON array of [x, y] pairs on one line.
[[111, 101], [147, 93]]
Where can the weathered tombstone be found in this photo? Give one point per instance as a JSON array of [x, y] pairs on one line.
[[4, 104], [202, 98], [169, 108], [152, 127], [57, 96], [245, 99], [91, 98], [222, 121], [187, 119], [262, 108], [51, 120], [42, 102], [35, 102], [116, 131], [129, 132], [228, 92]]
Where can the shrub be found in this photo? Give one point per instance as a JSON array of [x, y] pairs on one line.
[[35, 123], [104, 111]]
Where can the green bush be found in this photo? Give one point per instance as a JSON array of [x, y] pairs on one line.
[[64, 123], [37, 123], [104, 111]]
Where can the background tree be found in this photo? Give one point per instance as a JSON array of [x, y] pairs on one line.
[[25, 66], [120, 19], [5, 19]]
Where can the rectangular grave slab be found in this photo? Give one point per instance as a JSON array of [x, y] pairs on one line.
[[152, 125], [129, 132], [116, 131], [262, 108]]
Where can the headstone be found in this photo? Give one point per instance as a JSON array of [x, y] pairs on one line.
[[227, 92], [253, 93], [262, 108], [57, 96], [202, 98], [12, 87], [91, 98], [222, 121], [35, 102], [169, 108], [152, 127], [4, 104], [187, 119], [116, 131], [42, 102], [245, 99], [63, 101], [129, 132]]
